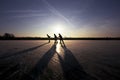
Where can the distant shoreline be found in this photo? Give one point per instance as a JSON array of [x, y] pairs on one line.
[[32, 38]]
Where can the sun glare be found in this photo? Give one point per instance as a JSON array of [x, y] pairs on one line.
[[58, 29]]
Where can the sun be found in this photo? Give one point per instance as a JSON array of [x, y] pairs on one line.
[[58, 29]]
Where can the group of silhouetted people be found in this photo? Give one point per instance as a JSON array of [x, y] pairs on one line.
[[56, 38]]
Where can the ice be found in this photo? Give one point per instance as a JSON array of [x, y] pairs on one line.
[[76, 60]]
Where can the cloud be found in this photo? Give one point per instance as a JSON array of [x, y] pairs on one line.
[[30, 15], [25, 13], [56, 12]]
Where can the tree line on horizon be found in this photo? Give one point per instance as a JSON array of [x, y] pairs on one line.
[[7, 36], [10, 36]]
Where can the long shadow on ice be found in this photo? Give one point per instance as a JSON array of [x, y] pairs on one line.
[[10, 69], [41, 65], [22, 52], [72, 70]]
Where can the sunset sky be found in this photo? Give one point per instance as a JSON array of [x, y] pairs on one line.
[[71, 18]]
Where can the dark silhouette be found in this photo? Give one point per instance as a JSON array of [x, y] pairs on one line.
[[55, 37], [8, 36], [38, 70], [61, 39], [72, 70], [48, 38]]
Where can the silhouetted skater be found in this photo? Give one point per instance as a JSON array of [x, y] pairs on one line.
[[61, 39], [48, 38], [55, 37]]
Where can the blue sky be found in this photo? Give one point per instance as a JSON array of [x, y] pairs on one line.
[[74, 18]]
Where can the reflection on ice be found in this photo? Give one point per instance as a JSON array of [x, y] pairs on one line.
[[58, 48]]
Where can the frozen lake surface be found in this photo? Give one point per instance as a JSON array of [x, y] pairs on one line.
[[76, 60]]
